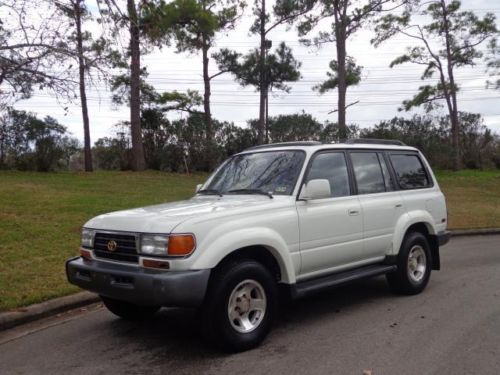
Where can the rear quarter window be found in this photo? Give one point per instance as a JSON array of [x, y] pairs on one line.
[[410, 171]]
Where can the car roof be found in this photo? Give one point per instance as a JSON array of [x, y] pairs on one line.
[[313, 146]]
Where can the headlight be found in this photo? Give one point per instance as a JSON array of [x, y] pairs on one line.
[[87, 238], [173, 245], [154, 244]]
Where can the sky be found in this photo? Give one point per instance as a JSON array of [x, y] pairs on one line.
[[380, 92]]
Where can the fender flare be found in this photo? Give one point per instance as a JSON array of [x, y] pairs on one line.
[[221, 246], [405, 222]]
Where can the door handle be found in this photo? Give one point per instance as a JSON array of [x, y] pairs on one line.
[[399, 205], [353, 212]]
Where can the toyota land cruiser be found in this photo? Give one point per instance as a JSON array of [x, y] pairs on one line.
[[298, 216]]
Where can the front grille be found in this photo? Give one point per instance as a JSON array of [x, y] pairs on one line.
[[126, 249]]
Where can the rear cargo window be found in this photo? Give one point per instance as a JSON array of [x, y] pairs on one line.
[[409, 171]]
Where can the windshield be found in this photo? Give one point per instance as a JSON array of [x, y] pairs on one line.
[[272, 172]]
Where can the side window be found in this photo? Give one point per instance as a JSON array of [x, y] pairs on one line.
[[368, 172], [332, 167], [409, 171], [389, 183]]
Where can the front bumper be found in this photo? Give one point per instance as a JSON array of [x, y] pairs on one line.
[[443, 237], [139, 285]]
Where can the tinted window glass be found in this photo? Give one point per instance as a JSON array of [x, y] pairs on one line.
[[409, 171], [389, 183], [273, 171], [332, 167], [368, 172]]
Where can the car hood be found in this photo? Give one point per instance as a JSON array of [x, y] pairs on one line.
[[163, 218]]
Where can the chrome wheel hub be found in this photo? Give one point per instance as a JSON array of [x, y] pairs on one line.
[[417, 263], [247, 306]]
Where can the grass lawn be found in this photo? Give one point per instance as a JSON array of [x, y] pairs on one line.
[[472, 197], [41, 216]]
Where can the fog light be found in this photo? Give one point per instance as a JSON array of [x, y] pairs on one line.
[[85, 254]]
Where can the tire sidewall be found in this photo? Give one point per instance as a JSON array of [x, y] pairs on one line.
[[410, 241], [221, 290]]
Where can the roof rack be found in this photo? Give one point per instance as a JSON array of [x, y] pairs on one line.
[[375, 141], [285, 144]]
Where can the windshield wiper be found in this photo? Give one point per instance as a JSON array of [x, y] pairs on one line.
[[252, 191], [210, 192]]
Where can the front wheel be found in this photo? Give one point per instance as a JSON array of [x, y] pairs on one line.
[[240, 305], [414, 265], [127, 310]]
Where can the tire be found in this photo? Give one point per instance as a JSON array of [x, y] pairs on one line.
[[127, 310], [414, 265], [240, 306]]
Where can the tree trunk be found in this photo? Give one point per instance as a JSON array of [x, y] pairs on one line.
[[455, 133], [83, 93], [3, 136], [207, 113], [206, 96], [453, 109], [262, 69], [138, 162], [340, 42]]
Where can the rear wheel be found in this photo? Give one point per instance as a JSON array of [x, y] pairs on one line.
[[414, 265], [240, 305], [127, 310]]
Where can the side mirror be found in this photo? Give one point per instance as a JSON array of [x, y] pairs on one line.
[[316, 189], [198, 187]]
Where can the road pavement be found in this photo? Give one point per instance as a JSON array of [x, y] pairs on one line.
[[453, 327]]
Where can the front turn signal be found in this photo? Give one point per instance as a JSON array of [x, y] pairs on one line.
[[181, 244]]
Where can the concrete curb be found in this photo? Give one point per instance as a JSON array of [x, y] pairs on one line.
[[31, 313], [37, 311], [474, 232]]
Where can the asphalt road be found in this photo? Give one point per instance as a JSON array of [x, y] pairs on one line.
[[453, 327]]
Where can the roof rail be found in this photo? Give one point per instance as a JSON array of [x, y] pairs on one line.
[[285, 144], [375, 141]]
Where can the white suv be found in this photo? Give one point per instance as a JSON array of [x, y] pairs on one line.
[[297, 217]]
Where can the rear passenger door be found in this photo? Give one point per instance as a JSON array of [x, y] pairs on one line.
[[331, 233], [381, 203]]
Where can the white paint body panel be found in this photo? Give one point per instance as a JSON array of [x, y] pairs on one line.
[[329, 237]]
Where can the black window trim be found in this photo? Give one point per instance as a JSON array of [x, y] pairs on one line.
[[379, 153], [392, 172], [424, 165], [386, 153], [350, 175]]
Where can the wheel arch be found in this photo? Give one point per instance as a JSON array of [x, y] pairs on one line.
[[426, 229], [260, 254], [260, 244]]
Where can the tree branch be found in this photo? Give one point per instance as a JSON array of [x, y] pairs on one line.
[[347, 106], [285, 19]]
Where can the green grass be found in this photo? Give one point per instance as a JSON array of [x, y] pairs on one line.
[[473, 198], [41, 216]]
